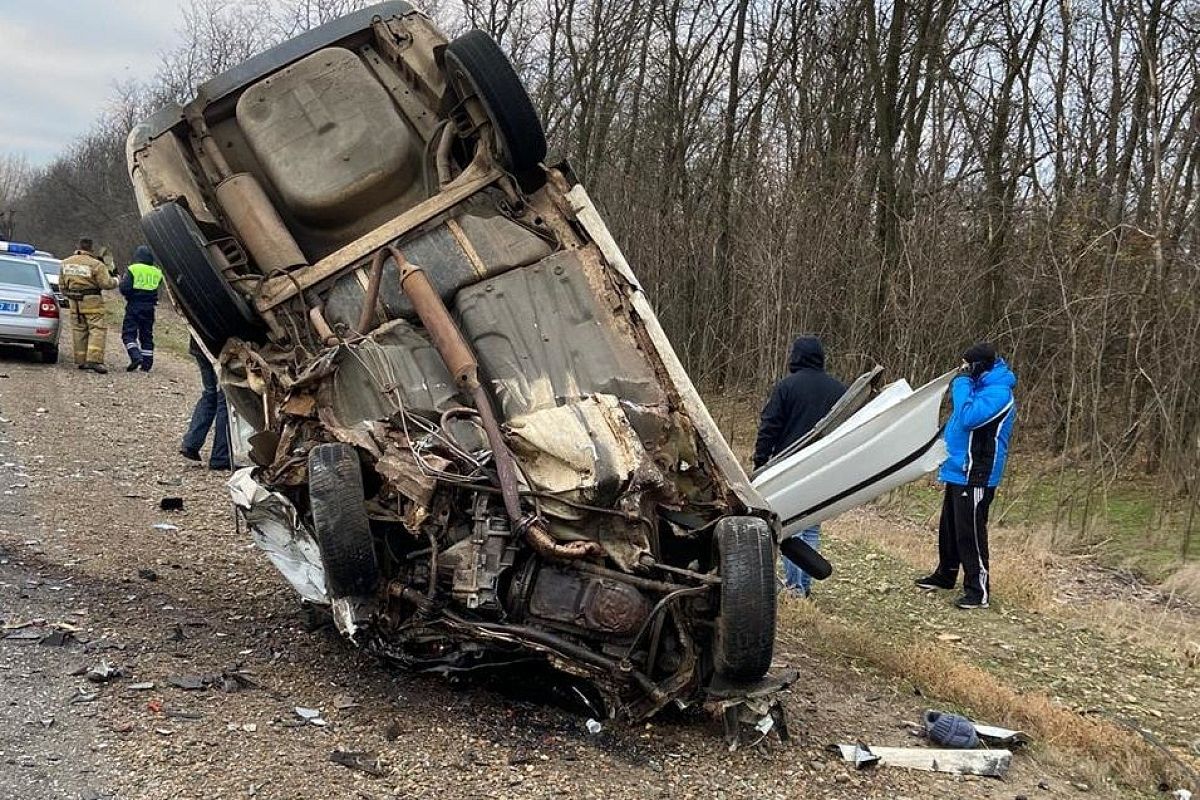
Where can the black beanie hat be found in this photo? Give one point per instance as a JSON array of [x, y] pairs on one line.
[[980, 351], [981, 356]]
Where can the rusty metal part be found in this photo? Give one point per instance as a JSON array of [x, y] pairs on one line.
[[569, 597], [258, 224], [316, 315], [548, 641], [479, 174], [213, 160], [542, 542], [368, 309], [445, 144], [634, 580], [447, 339], [452, 346]]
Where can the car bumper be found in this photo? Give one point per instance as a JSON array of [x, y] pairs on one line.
[[31, 331]]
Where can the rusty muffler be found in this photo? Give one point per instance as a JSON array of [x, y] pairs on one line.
[[454, 350]]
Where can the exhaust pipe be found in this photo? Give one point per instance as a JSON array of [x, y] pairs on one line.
[[800, 553], [452, 346]]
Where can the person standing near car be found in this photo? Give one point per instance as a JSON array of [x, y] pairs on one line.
[[797, 403], [82, 279], [140, 288], [210, 411], [983, 411]]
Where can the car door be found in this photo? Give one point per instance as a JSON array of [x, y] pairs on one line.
[[892, 439]]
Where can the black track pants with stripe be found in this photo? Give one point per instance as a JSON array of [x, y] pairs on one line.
[[963, 539]]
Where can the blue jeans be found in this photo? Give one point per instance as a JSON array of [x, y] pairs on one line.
[[211, 411], [795, 578]]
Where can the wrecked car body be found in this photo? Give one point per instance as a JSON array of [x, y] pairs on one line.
[[471, 437]]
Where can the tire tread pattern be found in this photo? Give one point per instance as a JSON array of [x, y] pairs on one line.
[[745, 640], [335, 490], [504, 95], [214, 310]]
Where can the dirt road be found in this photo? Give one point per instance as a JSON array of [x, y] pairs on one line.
[[86, 459]]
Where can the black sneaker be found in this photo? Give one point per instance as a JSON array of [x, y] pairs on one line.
[[934, 581], [98, 368], [967, 604], [132, 366], [189, 454]]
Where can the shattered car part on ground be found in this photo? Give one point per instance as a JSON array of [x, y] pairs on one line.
[[470, 437]]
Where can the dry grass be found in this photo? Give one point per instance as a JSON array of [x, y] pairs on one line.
[[1185, 583], [1018, 559], [1109, 749]]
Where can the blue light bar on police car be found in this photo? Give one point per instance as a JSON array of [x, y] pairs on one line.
[[17, 248]]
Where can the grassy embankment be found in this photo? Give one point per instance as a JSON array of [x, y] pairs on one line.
[[1070, 651]]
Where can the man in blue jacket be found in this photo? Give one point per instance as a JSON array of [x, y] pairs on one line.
[[797, 403], [140, 288], [977, 434]]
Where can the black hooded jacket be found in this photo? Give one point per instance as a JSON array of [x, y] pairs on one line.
[[798, 402]]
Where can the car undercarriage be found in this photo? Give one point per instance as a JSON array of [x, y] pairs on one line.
[[468, 434]]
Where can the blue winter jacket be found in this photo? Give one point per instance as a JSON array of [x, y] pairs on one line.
[[979, 427]]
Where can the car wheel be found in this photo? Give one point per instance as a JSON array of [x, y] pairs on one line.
[[215, 311], [476, 65], [49, 353], [335, 492], [745, 634]]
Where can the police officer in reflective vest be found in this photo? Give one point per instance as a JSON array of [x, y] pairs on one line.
[[140, 288], [82, 279]]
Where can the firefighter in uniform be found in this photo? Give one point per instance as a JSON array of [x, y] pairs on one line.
[[140, 288], [82, 279]]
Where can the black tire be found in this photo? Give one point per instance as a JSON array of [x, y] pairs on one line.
[[49, 353], [216, 312], [335, 492], [745, 634], [475, 64]]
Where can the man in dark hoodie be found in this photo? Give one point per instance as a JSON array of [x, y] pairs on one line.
[[977, 434], [140, 288], [797, 403]]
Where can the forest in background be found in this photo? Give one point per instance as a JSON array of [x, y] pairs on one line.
[[901, 178]]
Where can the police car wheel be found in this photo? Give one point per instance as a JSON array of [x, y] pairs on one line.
[[745, 631], [476, 65], [49, 353], [216, 312], [335, 492]]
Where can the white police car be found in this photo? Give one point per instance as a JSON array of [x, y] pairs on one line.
[[28, 307]]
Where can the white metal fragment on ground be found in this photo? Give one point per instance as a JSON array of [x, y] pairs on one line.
[[593, 726], [991, 763], [994, 733], [165, 526], [276, 529]]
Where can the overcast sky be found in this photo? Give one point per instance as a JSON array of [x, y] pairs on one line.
[[59, 60]]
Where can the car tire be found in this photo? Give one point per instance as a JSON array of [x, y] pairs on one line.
[[475, 64], [216, 312], [335, 492], [745, 631], [49, 353]]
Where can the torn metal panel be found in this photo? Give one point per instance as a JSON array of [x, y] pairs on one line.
[[543, 337], [586, 448], [409, 477], [706, 427], [276, 528], [990, 763]]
